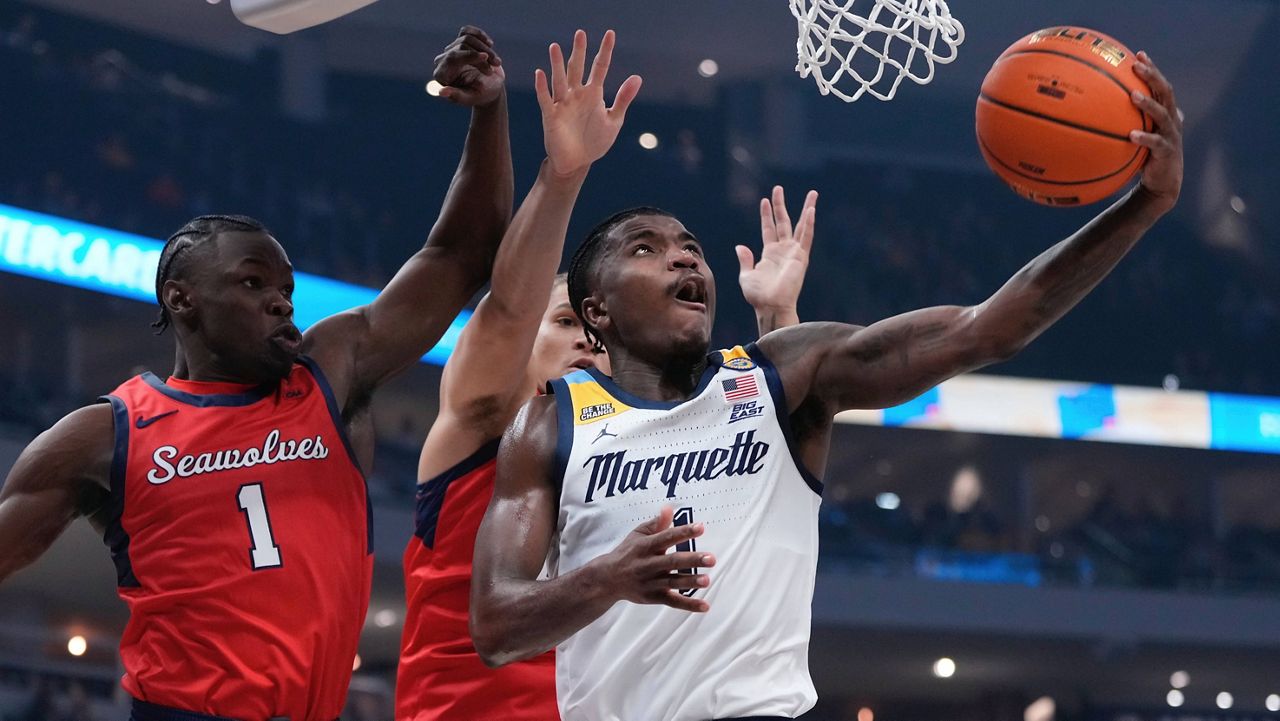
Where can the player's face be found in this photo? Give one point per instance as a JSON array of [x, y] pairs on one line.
[[561, 347], [655, 289], [245, 309]]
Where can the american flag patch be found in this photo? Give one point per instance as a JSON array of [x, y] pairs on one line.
[[742, 387]]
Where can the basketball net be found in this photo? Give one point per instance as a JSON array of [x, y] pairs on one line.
[[849, 54]]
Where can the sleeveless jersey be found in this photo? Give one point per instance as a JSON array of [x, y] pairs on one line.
[[441, 677], [241, 534], [724, 458]]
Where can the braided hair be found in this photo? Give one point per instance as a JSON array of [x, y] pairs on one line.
[[196, 233], [582, 268]]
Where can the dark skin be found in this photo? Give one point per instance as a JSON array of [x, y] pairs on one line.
[[233, 318], [657, 348]]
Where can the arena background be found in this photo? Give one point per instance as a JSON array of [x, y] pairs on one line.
[[1090, 532]]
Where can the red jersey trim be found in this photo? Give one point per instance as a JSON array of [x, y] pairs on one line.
[[115, 536], [202, 400], [335, 413], [430, 496]]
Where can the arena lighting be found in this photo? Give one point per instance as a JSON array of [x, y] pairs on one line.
[[1179, 679], [888, 501], [122, 264], [1174, 698], [1225, 700], [1237, 204], [708, 68], [386, 618], [648, 141], [944, 668], [77, 645], [1273, 702], [1042, 709], [434, 88]]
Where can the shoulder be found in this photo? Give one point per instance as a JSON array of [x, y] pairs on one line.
[[80, 446], [87, 428], [527, 454], [535, 423]]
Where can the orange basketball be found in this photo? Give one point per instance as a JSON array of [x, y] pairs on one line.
[[1054, 116]]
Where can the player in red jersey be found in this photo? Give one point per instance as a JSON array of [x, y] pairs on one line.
[[513, 344], [231, 494]]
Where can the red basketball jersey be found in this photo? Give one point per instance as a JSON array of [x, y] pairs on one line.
[[242, 541], [441, 677]]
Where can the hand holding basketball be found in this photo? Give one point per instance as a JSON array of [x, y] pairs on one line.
[[640, 570], [577, 127], [469, 69], [1162, 175]]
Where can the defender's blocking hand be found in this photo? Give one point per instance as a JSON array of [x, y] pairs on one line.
[[577, 127], [470, 70], [772, 284]]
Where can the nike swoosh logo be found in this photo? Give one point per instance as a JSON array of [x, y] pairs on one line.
[[144, 422]]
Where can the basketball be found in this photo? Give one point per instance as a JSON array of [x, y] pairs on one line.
[[1054, 116]]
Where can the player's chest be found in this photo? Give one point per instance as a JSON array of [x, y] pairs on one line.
[[659, 456]]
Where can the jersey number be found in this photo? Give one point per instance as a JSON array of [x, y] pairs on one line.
[[264, 553], [684, 517]]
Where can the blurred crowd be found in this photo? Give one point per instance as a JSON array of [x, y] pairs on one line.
[[1154, 539], [27, 695]]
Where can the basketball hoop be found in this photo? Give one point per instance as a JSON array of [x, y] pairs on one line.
[[848, 53]]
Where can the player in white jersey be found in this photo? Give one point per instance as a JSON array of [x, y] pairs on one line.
[[676, 428]]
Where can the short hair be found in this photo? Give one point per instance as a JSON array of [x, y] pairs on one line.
[[583, 266], [196, 233]]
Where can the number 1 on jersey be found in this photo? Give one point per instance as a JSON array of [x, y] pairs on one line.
[[264, 553], [684, 517]]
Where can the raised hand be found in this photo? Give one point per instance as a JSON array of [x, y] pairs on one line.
[[641, 571], [772, 284], [1162, 175], [469, 69], [577, 127]]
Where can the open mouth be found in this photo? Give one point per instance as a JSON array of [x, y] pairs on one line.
[[288, 338], [692, 291], [583, 363]]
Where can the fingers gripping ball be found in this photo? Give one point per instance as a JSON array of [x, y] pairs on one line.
[[1054, 116]]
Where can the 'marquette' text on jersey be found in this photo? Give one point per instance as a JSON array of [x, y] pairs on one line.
[[614, 474]]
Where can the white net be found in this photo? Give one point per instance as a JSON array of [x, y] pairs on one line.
[[872, 49]]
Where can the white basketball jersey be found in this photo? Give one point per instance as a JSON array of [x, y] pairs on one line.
[[722, 458]]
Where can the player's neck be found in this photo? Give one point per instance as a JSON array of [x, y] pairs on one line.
[[204, 368], [668, 380]]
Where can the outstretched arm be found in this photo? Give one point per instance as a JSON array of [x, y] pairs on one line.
[[61, 476], [361, 348], [772, 285], [896, 359], [485, 380], [514, 616]]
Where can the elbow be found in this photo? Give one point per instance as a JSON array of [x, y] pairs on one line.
[[487, 639], [984, 347], [1003, 349]]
